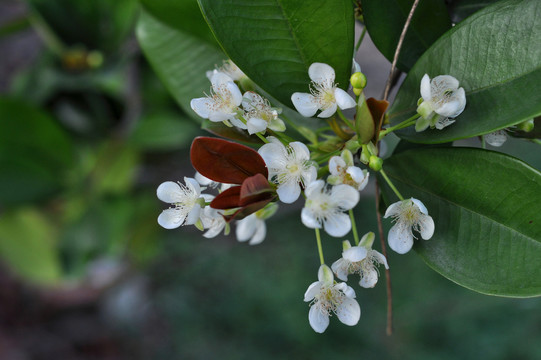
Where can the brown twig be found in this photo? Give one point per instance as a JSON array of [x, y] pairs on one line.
[[387, 272], [398, 48]]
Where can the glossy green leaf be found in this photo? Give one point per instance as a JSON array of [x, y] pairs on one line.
[[274, 42], [27, 246], [486, 209], [461, 9], [180, 59], [496, 56], [385, 20]]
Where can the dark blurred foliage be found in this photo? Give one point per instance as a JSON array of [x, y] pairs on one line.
[[87, 132]]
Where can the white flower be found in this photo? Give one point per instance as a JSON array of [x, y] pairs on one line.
[[230, 69], [185, 199], [324, 206], [289, 167], [213, 221], [408, 215], [251, 228], [222, 103], [324, 94], [343, 172], [259, 114], [442, 99], [326, 297], [360, 259], [496, 138]]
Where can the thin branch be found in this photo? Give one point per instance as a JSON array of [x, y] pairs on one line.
[[398, 48], [387, 272]]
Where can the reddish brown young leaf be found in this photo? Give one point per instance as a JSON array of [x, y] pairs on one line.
[[228, 199], [247, 210], [225, 161], [377, 108], [254, 187]]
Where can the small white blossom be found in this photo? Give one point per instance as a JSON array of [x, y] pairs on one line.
[[326, 297], [259, 114], [343, 172], [185, 200], [212, 221], [230, 69], [325, 207], [324, 95], [496, 138], [223, 102], [360, 259], [442, 99], [289, 167], [253, 227], [408, 215]]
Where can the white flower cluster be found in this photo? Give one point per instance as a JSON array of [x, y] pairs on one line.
[[225, 103]]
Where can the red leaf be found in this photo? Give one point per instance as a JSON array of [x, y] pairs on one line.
[[247, 210], [225, 161], [228, 199], [255, 188], [377, 109]]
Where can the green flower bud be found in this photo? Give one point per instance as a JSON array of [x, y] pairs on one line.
[[357, 91], [526, 126], [375, 163], [358, 80]]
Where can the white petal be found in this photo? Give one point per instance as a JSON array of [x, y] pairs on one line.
[[236, 95], [450, 109], [171, 218], [309, 219], [219, 116], [260, 233], [349, 311], [277, 125], [340, 268], [256, 125], [312, 291], [420, 205], [349, 292], [305, 104], [496, 138], [334, 163], [426, 227], [345, 196], [202, 106], [446, 82], [246, 228], [393, 210], [318, 318], [343, 99], [193, 215], [193, 185], [219, 80], [314, 188], [425, 88], [320, 72], [337, 225], [238, 123], [301, 150], [170, 192], [369, 279], [309, 176], [355, 253], [358, 176], [328, 111], [380, 258], [272, 154], [214, 230], [400, 238], [289, 192]]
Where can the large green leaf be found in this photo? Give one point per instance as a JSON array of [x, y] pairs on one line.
[[385, 20], [181, 60], [486, 209], [461, 9], [274, 42], [496, 56]]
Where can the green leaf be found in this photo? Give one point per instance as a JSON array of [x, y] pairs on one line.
[[35, 153], [274, 42], [486, 209], [181, 60], [496, 56], [27, 246], [385, 20], [461, 9]]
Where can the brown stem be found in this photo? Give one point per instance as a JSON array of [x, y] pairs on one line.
[[398, 48], [387, 272]]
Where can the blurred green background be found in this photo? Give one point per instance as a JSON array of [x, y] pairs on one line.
[[87, 133]]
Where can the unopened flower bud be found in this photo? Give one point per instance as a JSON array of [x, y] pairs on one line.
[[526, 126], [357, 91], [358, 80], [375, 163]]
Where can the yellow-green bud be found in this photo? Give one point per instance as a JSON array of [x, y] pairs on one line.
[[357, 91], [375, 163], [526, 126], [358, 80]]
